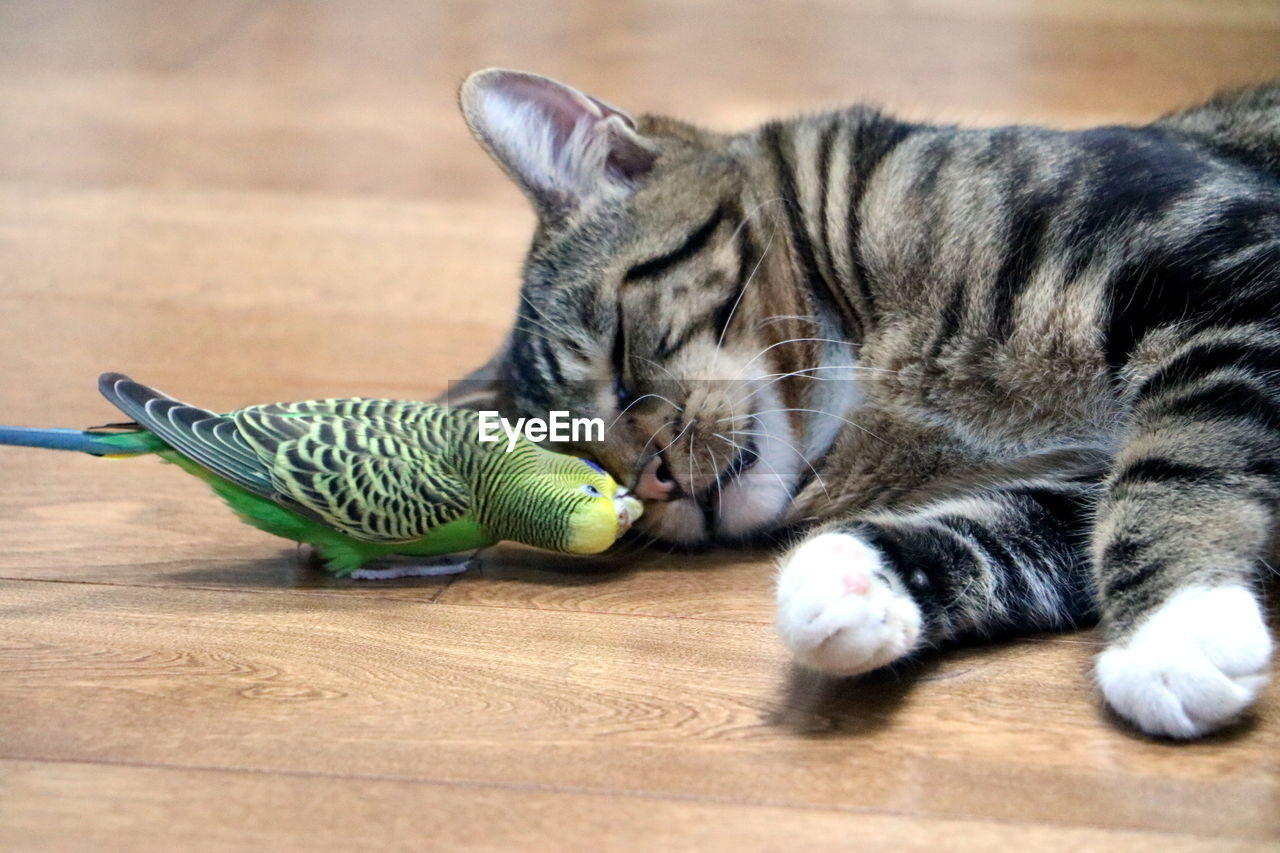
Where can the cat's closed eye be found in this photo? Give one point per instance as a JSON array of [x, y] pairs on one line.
[[622, 391]]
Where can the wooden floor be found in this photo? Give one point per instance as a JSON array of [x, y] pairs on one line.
[[248, 200]]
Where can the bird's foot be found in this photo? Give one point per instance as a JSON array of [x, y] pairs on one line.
[[442, 566]]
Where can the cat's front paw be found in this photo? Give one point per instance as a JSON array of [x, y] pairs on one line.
[[838, 612], [1192, 666]]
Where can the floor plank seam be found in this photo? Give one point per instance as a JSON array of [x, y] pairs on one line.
[[532, 788], [674, 616], [206, 588], [343, 594]]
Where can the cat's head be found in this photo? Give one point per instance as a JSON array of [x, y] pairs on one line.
[[658, 296]]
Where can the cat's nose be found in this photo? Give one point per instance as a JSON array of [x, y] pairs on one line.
[[656, 482]]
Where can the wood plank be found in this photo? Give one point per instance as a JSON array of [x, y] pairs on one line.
[[363, 94], [291, 297], [275, 682], [244, 201], [732, 586], [66, 806]]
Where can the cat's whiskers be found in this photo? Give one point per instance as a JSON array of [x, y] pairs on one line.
[[678, 436], [751, 277], [778, 318], [771, 437], [637, 400], [752, 212], [715, 466], [542, 321], [663, 368], [853, 367], [812, 412], [654, 435], [531, 304], [534, 332], [757, 356], [692, 439], [549, 332], [781, 481], [778, 377]]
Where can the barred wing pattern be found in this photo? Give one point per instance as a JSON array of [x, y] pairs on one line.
[[205, 437], [371, 468]]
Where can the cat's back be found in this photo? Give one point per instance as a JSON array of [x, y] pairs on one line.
[[1243, 125], [1019, 269], [993, 203]]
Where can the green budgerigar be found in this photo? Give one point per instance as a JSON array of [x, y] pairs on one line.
[[363, 479]]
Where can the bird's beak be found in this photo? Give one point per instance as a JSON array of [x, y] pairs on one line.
[[628, 509]]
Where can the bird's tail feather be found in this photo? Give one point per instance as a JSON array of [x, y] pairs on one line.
[[128, 443]]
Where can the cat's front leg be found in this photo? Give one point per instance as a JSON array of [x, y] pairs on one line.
[[1183, 534], [860, 595]]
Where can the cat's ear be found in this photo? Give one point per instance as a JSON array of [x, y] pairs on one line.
[[565, 148]]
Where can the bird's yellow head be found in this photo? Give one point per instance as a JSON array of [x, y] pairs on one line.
[[600, 510]]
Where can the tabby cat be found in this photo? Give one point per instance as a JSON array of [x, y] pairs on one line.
[[991, 382]]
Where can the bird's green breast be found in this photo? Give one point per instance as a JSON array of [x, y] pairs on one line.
[[342, 554]]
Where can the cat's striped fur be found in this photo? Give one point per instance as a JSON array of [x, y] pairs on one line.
[[1015, 378]]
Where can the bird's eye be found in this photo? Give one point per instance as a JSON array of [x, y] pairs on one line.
[[592, 490]]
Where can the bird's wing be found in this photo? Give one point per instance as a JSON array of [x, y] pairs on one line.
[[206, 438], [365, 477], [404, 415]]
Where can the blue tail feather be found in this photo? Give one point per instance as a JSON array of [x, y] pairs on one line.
[[61, 439]]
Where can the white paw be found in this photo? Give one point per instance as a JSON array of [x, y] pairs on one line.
[[837, 611], [1190, 667]]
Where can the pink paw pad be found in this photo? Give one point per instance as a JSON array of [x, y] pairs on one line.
[[857, 583]]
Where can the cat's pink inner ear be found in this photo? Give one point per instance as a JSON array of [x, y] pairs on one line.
[[563, 146], [562, 106]]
